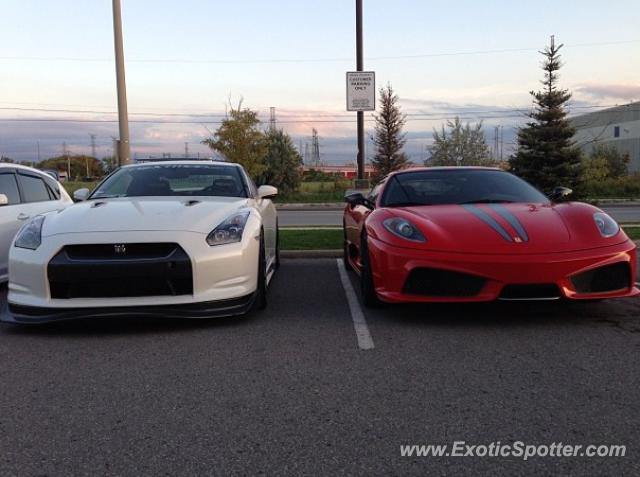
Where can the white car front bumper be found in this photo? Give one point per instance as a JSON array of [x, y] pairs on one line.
[[224, 275]]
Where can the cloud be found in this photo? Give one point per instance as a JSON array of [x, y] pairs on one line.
[[624, 92], [336, 129]]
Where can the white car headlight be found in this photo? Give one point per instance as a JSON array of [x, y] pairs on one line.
[[606, 225], [229, 231], [30, 235], [404, 229]]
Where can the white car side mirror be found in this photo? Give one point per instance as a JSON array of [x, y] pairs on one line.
[[4, 200], [81, 194], [267, 192]]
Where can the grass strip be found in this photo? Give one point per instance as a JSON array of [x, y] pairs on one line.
[[632, 232], [319, 239]]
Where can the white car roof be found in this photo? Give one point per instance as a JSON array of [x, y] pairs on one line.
[[9, 165], [195, 162]]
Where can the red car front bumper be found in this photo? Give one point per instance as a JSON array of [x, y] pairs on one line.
[[392, 267]]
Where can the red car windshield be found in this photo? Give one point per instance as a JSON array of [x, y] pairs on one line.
[[458, 186]]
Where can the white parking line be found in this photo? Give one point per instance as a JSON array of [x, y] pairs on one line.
[[359, 322]]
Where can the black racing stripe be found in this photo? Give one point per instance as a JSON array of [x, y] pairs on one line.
[[512, 219], [490, 221]]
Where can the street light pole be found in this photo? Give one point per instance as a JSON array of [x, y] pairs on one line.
[[360, 114], [124, 150]]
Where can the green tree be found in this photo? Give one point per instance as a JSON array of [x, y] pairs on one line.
[[546, 155], [283, 162], [240, 140], [595, 169], [388, 138], [461, 145], [78, 165], [617, 163]]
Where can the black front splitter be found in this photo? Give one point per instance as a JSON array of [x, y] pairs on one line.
[[210, 309]]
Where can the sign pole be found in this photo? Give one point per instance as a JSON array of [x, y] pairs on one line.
[[360, 114]]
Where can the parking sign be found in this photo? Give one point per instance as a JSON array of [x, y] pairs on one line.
[[361, 91]]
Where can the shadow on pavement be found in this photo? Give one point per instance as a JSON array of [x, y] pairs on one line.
[[507, 314], [121, 326]]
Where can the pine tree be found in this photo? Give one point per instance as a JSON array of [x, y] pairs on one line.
[[389, 138], [547, 156]]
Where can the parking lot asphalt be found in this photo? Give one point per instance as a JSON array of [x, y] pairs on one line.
[[288, 391]]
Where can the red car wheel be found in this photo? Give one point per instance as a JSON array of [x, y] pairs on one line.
[[367, 288]]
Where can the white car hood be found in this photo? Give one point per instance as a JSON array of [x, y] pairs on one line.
[[187, 214]]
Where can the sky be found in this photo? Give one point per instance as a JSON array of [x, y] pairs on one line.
[[185, 61]]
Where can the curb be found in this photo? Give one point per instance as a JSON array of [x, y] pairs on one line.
[[310, 227], [311, 206], [311, 253], [615, 203], [306, 207]]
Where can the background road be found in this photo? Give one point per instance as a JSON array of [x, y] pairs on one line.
[[333, 216], [288, 391]]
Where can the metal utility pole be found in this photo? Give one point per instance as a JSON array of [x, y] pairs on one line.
[[360, 114], [186, 150], [65, 153], [124, 149], [315, 148], [38, 144], [272, 119], [116, 159], [93, 145], [93, 152]]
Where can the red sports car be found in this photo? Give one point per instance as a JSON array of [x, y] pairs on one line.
[[465, 234]]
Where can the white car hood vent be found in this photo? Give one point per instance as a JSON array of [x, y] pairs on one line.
[[143, 214]]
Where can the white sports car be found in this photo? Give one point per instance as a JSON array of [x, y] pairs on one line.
[[187, 239]]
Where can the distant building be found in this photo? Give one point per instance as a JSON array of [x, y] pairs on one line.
[[348, 171], [618, 126]]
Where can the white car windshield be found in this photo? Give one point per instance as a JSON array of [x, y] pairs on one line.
[[162, 180]]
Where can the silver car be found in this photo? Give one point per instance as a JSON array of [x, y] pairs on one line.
[[24, 193]]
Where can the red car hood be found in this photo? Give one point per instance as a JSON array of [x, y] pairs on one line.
[[507, 228]]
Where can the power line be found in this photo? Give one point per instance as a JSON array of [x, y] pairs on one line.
[[463, 116], [311, 60], [336, 115], [297, 121]]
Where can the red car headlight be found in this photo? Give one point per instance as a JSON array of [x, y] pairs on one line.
[[404, 229], [606, 225]]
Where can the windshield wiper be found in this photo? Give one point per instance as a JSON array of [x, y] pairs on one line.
[[114, 196]]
